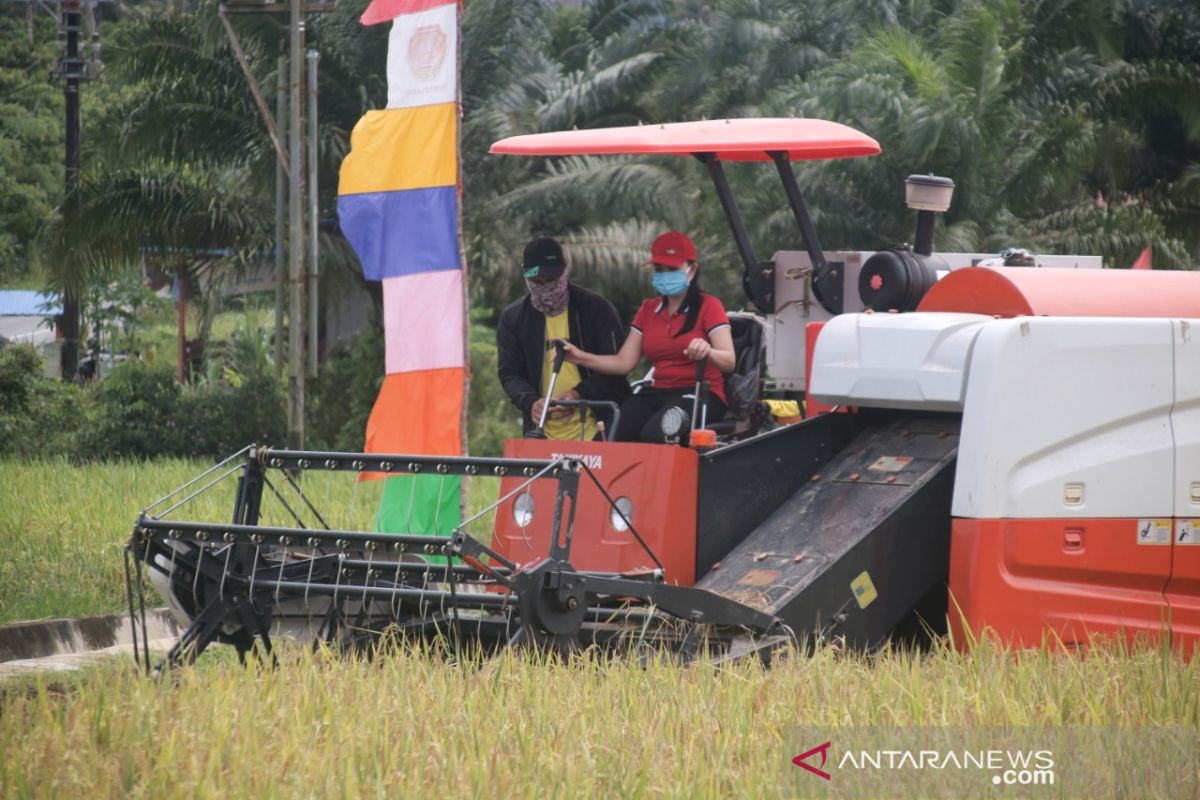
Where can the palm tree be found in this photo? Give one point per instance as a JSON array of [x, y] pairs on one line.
[[1018, 102], [181, 166], [725, 57], [515, 82]]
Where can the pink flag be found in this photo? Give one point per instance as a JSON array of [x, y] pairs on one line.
[[1143, 261]]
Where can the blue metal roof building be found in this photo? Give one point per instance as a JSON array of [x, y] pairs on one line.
[[24, 303]]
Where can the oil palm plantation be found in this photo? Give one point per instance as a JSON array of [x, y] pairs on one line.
[[529, 68], [1032, 106], [181, 169], [1019, 103]]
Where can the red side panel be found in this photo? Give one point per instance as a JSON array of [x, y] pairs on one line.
[[1033, 580], [1183, 590], [812, 406], [660, 480]]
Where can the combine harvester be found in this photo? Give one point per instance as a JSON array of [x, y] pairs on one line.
[[1013, 448]]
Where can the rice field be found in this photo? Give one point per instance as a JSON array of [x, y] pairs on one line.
[[413, 724], [63, 527]]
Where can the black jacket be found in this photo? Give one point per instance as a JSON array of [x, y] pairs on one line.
[[521, 350]]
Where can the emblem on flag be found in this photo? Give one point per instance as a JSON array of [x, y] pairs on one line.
[[426, 51]]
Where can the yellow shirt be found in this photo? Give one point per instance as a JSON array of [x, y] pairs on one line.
[[568, 378]]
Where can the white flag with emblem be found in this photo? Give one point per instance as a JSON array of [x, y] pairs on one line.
[[422, 56]]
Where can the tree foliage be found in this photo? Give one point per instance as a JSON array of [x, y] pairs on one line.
[[1035, 107], [31, 152], [1067, 126]]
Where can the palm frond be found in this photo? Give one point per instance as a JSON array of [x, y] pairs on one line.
[[122, 216], [597, 97], [588, 188]]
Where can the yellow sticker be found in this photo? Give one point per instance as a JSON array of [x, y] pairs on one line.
[[864, 590], [1154, 531]]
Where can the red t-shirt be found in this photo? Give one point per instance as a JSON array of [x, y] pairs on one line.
[[672, 369]]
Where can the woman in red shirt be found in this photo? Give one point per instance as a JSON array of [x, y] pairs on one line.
[[675, 329]]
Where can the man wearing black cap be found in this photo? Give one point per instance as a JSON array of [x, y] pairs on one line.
[[556, 309]]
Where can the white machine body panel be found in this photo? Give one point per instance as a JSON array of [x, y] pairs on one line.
[[916, 360], [1185, 418], [796, 306], [1069, 418]]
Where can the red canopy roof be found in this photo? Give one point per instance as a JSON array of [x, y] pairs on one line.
[[730, 139]]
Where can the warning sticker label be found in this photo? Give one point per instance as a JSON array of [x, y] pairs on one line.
[[890, 464], [864, 590], [1187, 531], [1154, 531]]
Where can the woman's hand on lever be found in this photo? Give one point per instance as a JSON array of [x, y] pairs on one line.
[[571, 353], [719, 352], [697, 349], [619, 364]]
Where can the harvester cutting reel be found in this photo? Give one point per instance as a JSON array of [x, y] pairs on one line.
[[251, 580]]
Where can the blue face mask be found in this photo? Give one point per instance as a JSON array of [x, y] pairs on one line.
[[670, 283]]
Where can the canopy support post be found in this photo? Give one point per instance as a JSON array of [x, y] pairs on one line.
[[757, 279], [799, 209], [721, 184]]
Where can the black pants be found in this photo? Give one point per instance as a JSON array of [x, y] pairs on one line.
[[641, 414]]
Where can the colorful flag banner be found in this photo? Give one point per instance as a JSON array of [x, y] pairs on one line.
[[398, 207]]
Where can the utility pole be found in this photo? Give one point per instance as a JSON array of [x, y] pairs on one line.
[[314, 244], [281, 186], [71, 69], [295, 414], [291, 166]]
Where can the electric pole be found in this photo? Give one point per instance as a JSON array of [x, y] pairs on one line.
[[290, 95], [296, 227], [71, 69], [281, 189]]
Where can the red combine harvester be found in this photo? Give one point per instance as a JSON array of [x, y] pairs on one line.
[[1015, 449]]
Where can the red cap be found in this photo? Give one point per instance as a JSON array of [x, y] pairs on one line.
[[672, 249]]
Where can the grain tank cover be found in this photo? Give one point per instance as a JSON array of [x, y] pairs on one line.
[[1025, 291], [916, 361]]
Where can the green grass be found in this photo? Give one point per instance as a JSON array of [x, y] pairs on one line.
[[62, 527]]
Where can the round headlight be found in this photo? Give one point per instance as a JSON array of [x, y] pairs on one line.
[[523, 510], [625, 506], [673, 420]]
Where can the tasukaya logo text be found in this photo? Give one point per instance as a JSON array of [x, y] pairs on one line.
[[591, 460]]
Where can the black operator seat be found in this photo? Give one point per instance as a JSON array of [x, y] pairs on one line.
[[743, 386]]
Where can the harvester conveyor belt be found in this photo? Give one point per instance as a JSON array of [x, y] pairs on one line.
[[862, 546]]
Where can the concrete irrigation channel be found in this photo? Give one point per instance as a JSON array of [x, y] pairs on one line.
[[56, 645]]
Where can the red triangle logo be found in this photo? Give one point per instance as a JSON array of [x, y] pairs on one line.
[[823, 749]]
